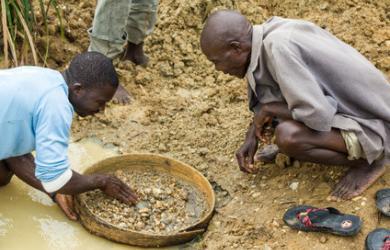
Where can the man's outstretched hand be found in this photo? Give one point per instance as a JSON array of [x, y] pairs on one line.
[[110, 185], [115, 188]]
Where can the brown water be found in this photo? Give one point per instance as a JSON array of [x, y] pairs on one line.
[[30, 220]]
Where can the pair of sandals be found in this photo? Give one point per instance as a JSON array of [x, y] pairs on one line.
[[331, 220]]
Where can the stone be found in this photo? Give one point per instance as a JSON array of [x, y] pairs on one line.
[[294, 185]]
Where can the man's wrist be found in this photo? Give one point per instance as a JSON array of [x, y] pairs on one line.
[[99, 180]]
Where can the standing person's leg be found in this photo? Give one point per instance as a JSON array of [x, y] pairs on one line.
[[108, 35], [5, 174], [329, 148], [140, 23]]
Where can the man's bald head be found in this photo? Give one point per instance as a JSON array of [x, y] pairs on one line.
[[226, 40], [224, 26]]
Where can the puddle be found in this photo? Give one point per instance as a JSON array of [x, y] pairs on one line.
[[30, 220]]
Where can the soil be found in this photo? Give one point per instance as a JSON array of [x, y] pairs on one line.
[[182, 107], [166, 204]]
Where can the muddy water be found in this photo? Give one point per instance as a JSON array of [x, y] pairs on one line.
[[30, 220]]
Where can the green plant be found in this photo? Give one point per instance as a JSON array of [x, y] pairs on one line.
[[19, 29]]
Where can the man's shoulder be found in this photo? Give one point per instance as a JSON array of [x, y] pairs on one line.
[[31, 78], [278, 29], [32, 70], [285, 34]]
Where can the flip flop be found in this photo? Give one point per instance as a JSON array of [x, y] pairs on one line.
[[328, 220], [383, 201], [379, 239]]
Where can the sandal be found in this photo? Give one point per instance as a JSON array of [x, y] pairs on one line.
[[329, 220], [382, 201], [379, 239]]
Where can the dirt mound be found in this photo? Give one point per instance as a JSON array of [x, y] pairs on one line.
[[185, 109]]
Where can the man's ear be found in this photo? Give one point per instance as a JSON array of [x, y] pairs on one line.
[[77, 88], [236, 45]]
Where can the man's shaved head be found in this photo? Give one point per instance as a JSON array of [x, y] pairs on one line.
[[225, 25], [226, 41]]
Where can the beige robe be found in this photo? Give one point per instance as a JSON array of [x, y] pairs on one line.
[[325, 82]]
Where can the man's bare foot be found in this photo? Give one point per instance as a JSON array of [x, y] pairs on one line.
[[122, 96], [135, 53], [356, 181], [267, 154]]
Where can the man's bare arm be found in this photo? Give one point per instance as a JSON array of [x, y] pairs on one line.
[[24, 168]]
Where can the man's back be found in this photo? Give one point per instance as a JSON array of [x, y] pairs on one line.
[[325, 82], [25, 93]]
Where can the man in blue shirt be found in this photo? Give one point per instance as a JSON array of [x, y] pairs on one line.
[[37, 106]]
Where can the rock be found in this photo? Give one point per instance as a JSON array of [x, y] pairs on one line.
[[282, 160], [144, 210], [156, 192], [142, 205], [266, 247], [294, 185], [203, 151], [255, 195], [140, 225], [275, 223], [296, 164], [162, 147], [324, 6], [323, 239]]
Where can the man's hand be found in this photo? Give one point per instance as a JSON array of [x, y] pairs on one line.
[[247, 151], [115, 188], [65, 202]]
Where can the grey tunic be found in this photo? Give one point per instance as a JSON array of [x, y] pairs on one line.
[[325, 82]]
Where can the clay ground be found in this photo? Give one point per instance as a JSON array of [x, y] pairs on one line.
[[183, 108]]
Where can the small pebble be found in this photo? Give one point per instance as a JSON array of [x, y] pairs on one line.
[[294, 186], [255, 195]]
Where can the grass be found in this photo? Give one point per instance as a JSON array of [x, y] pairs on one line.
[[19, 29]]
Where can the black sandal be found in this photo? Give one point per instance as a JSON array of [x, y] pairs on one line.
[[328, 220], [382, 201], [379, 239]]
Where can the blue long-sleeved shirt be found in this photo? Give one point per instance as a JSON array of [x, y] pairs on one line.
[[35, 114]]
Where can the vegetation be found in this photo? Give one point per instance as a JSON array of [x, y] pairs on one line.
[[19, 28]]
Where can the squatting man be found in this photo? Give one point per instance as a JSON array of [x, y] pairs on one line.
[[332, 103]]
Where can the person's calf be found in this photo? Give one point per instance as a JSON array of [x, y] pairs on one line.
[[5, 174]]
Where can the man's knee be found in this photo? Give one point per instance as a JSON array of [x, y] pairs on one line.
[[5, 174], [288, 137]]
